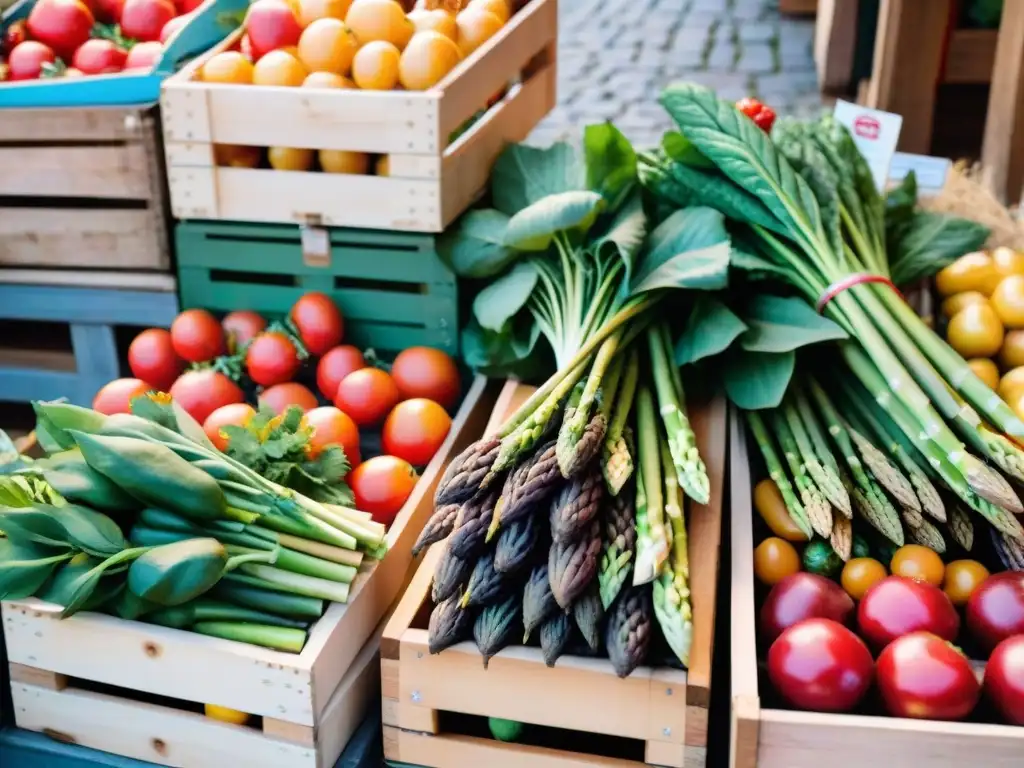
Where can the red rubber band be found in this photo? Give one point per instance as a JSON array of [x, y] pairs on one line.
[[857, 278]]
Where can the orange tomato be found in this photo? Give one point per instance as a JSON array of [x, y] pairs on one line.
[[327, 80], [379, 20], [278, 68], [235, 415], [367, 395], [860, 574], [415, 429], [913, 561], [227, 67], [281, 397], [332, 426], [499, 8], [375, 66], [290, 158], [774, 560], [962, 577], [311, 10], [343, 161], [427, 372], [236, 156], [327, 45], [427, 58], [117, 396], [476, 26], [438, 20], [381, 486]]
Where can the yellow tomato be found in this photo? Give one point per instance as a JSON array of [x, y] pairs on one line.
[[342, 161], [476, 26], [438, 20], [860, 574], [1008, 261], [499, 8], [1011, 354], [427, 58], [774, 560], [1016, 402], [226, 715], [985, 370], [327, 45], [375, 66], [962, 578], [227, 67], [971, 272], [958, 301], [1008, 301], [311, 10], [236, 156], [771, 507], [913, 561], [975, 331], [1011, 383], [379, 20], [327, 80], [279, 68], [290, 158]]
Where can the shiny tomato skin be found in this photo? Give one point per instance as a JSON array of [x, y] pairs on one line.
[[995, 610], [107, 11], [234, 414], [427, 372], [152, 358], [241, 327], [821, 666], [281, 397], [187, 6], [271, 25], [1004, 679], [61, 24], [27, 59], [144, 55], [201, 393], [381, 486], [272, 359], [197, 336], [117, 396], [333, 427], [922, 676], [144, 20], [803, 596], [335, 365], [99, 57], [367, 395], [319, 322], [415, 429], [897, 606]]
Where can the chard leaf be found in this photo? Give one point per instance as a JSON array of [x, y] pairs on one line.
[[610, 163], [682, 150], [756, 380], [476, 247], [523, 175], [690, 249], [512, 351], [710, 329], [533, 228], [626, 231], [783, 324], [495, 305], [930, 241]]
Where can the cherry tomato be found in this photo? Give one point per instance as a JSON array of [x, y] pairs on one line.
[[27, 59], [897, 606], [201, 393], [335, 366], [107, 11], [61, 24], [427, 372], [151, 357], [821, 666], [995, 610], [281, 397], [226, 715], [117, 396], [774, 560], [367, 395], [771, 507], [333, 427], [272, 359], [197, 336], [235, 415], [1004, 679], [962, 578], [803, 596], [922, 676], [381, 486], [144, 55], [415, 429], [144, 20], [319, 322], [918, 563], [860, 574], [271, 25], [241, 327]]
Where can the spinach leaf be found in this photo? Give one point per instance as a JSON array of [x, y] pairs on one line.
[[475, 247], [610, 163], [710, 329], [523, 175], [930, 241]]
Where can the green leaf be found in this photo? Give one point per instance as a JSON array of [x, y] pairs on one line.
[[150, 409], [24, 568], [522, 175], [61, 588], [511, 351], [756, 380], [504, 297], [785, 323], [91, 531], [476, 246], [243, 445], [755, 267], [610, 163], [533, 228], [84, 585], [188, 427], [33, 525], [690, 249], [626, 231], [681, 149], [930, 241], [173, 574], [709, 331]]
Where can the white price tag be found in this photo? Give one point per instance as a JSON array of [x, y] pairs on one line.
[[316, 246], [874, 132], [931, 172]]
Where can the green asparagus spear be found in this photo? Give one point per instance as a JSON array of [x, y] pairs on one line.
[[777, 473]]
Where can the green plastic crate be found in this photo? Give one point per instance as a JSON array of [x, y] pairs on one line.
[[392, 287]]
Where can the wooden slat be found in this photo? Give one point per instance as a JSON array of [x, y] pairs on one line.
[[58, 124], [118, 172], [134, 281], [971, 56], [798, 7], [1002, 153], [835, 40]]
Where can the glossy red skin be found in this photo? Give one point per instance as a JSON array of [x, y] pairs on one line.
[[408, 431], [27, 59], [319, 322], [896, 606], [321, 420], [280, 397], [116, 396], [922, 676], [803, 596], [995, 610], [15, 34], [152, 358], [99, 57], [271, 24], [374, 492], [335, 366], [367, 398], [821, 666], [144, 55], [187, 6], [241, 327], [172, 26], [197, 336], [108, 11], [203, 392], [427, 372], [272, 359], [61, 24], [1004, 679], [144, 20]]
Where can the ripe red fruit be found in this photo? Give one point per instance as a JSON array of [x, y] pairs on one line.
[[108, 11], [367, 395], [319, 322], [27, 59], [995, 610], [281, 397], [187, 6], [197, 336], [271, 24], [801, 596], [99, 57], [144, 55], [335, 366], [143, 20], [61, 24], [333, 427], [272, 359], [920, 675], [116, 397], [1004, 679], [242, 327], [152, 358], [381, 486], [896, 606], [14, 35], [201, 393], [235, 414], [415, 429], [427, 372]]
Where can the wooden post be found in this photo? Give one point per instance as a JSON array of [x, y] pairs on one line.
[[1002, 153], [835, 39]]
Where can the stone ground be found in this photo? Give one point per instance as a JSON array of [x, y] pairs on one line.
[[615, 56]]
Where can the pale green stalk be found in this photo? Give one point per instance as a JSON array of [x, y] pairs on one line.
[[650, 559], [816, 507], [777, 473], [824, 476], [671, 591], [616, 458]]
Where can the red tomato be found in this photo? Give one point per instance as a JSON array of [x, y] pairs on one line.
[[272, 359], [803, 596], [61, 24], [245, 47], [333, 427], [367, 395], [1004, 679], [319, 321], [144, 55], [995, 610], [108, 11], [117, 396], [197, 336], [151, 357], [99, 57], [172, 26], [241, 327], [897, 606], [271, 24], [234, 414], [429, 373], [187, 6], [280, 397], [381, 486], [201, 393], [14, 35], [821, 666], [335, 366], [920, 675], [27, 59], [415, 429], [143, 20]]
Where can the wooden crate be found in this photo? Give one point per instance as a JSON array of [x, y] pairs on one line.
[[392, 287], [57, 328], [309, 702], [432, 180], [799, 7], [82, 189], [659, 715]]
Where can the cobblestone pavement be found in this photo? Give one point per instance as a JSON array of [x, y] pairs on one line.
[[615, 56]]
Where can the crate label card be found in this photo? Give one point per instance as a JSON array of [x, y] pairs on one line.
[[931, 172], [874, 132], [316, 246]]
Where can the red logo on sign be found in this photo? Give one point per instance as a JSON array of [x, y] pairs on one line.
[[867, 127]]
